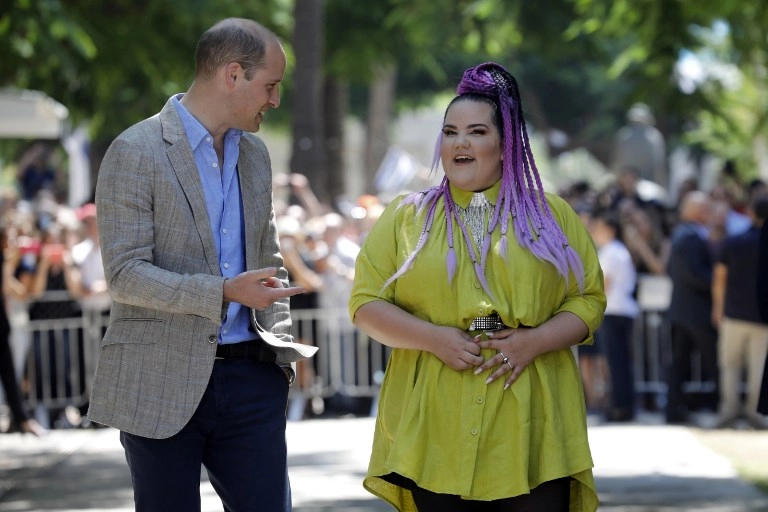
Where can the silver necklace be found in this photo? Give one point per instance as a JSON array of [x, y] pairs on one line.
[[476, 216]]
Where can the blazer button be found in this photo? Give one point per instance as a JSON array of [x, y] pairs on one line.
[[212, 338]]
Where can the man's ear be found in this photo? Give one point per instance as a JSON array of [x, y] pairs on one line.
[[232, 73]]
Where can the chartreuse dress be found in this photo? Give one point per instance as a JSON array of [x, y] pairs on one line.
[[446, 430]]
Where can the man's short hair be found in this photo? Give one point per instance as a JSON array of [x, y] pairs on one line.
[[232, 40]]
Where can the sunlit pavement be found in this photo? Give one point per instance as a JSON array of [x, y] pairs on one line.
[[639, 467]]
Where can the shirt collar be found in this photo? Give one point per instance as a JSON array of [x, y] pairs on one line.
[[463, 197], [196, 132]]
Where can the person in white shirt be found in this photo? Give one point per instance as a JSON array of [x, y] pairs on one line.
[[615, 334], [86, 255]]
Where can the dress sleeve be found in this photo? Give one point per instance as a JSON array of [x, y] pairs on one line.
[[588, 305], [377, 261]]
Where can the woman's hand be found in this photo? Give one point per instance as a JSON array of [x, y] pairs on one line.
[[397, 328], [515, 353], [522, 345], [455, 348]]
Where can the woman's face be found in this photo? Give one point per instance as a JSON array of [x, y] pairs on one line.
[[471, 146]]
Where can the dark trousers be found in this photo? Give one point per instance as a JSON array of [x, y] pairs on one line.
[[552, 496], [615, 339], [237, 434], [10, 381], [762, 404], [686, 340]]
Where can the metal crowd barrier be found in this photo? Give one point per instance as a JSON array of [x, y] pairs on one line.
[[61, 359], [62, 354], [651, 343]]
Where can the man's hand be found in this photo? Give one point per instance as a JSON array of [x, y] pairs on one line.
[[258, 289]]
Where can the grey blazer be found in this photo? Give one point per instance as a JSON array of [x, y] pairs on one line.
[[162, 269]]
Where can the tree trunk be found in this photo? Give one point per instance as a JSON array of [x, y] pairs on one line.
[[380, 105], [308, 152], [336, 102]]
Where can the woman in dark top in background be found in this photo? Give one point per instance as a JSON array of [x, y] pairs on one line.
[[20, 422]]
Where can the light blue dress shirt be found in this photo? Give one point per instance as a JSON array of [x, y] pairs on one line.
[[225, 211]]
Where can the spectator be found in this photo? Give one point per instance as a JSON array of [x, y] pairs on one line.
[[302, 272], [645, 240], [690, 268], [55, 272], [22, 250], [20, 421], [762, 306], [593, 366], [337, 269], [614, 336], [86, 255], [735, 221], [743, 337], [94, 299], [37, 176]]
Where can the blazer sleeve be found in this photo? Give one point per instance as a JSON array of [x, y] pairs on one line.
[[130, 201]]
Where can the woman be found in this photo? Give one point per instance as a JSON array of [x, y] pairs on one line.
[[54, 351], [615, 334], [20, 421], [481, 287]]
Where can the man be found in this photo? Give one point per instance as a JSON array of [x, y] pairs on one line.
[[186, 372], [762, 304], [690, 308], [743, 341]]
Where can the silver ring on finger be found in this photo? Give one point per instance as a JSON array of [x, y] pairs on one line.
[[504, 358], [511, 366]]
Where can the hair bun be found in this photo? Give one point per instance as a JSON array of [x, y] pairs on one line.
[[487, 78]]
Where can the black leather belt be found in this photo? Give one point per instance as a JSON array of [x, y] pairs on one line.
[[255, 350]]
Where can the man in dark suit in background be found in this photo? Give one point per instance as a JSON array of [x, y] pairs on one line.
[[690, 269], [762, 304]]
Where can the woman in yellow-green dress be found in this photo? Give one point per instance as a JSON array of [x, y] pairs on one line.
[[481, 285]]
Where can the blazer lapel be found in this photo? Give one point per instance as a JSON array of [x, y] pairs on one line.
[[183, 163], [252, 171]]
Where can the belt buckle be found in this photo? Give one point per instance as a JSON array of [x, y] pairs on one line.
[[487, 323]]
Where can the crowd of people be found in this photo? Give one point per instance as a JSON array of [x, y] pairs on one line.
[[51, 270], [706, 244]]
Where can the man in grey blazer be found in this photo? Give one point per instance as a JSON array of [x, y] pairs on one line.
[[196, 363]]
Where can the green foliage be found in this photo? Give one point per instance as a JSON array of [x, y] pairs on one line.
[[114, 63], [727, 121], [735, 126], [580, 63]]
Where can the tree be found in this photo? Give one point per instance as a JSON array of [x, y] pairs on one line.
[[309, 142], [112, 63], [655, 34]]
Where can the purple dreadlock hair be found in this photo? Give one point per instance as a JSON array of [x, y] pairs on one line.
[[521, 195]]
